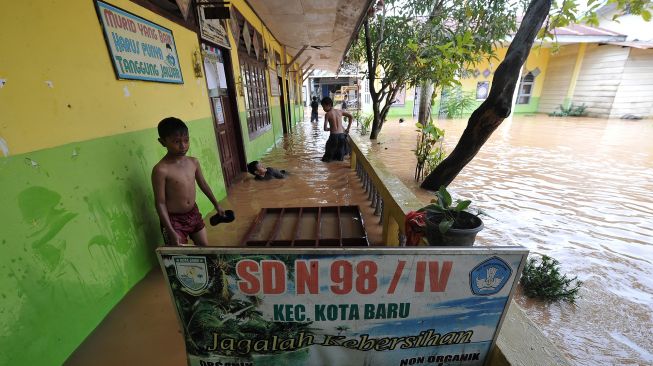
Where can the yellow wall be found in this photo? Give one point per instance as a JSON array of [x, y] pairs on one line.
[[51, 43], [539, 57], [271, 43]]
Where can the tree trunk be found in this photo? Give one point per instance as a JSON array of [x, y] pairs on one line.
[[497, 106], [376, 122], [371, 73], [425, 94]]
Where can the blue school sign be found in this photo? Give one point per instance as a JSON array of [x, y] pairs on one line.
[[349, 306], [139, 49]]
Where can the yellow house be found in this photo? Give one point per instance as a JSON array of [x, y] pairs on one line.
[[589, 66]]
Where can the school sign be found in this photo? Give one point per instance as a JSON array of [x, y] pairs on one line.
[[139, 49], [390, 306]]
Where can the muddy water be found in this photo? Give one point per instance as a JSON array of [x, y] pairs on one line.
[[309, 182], [580, 190]]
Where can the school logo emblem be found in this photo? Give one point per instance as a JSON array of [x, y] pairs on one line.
[[192, 273], [489, 276]]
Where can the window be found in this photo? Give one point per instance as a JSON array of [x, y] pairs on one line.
[[482, 90], [255, 93], [252, 76], [525, 88]]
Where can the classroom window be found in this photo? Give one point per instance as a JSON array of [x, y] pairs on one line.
[[482, 90], [252, 75], [256, 96], [525, 89]]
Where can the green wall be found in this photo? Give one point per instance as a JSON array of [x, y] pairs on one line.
[[531, 107], [405, 110], [259, 146], [79, 230]]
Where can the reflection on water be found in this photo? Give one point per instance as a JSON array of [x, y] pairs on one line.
[[578, 190]]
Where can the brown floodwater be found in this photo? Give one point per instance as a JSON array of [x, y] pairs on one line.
[[309, 183], [579, 190]]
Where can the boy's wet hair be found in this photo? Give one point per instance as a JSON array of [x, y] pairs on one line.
[[251, 167], [171, 125], [314, 98], [326, 101]]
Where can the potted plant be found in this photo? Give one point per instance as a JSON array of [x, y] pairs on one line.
[[448, 225]]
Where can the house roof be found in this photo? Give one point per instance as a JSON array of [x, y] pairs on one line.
[[634, 44], [584, 30]]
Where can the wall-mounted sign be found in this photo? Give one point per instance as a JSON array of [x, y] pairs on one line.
[[139, 49], [217, 108], [390, 306], [274, 83], [213, 30]]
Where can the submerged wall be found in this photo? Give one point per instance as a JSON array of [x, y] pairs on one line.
[[78, 145]]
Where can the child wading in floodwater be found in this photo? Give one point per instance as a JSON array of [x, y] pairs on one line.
[[336, 146], [173, 180]]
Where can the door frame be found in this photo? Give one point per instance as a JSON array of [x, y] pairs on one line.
[[282, 104], [233, 105]]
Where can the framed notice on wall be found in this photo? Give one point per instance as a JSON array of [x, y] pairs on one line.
[[139, 49], [349, 306], [274, 83], [213, 30]]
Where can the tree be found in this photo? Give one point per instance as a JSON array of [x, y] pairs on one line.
[[489, 115], [416, 40]]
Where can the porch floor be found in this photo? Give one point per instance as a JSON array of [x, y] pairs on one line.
[[142, 329]]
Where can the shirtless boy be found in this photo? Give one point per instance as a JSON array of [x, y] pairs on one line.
[[336, 146], [173, 180]]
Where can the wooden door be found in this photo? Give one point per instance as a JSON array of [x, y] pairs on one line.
[[282, 102], [226, 136]]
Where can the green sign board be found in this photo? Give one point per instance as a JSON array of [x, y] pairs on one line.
[[386, 306]]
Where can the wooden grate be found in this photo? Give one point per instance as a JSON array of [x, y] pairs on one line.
[[324, 226]]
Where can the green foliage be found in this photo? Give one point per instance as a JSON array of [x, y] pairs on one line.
[[571, 111], [447, 215], [567, 12], [429, 150], [415, 40], [364, 119], [543, 281], [219, 312], [457, 103]]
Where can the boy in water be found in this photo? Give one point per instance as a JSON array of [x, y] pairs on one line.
[[173, 180], [314, 105], [336, 146], [261, 172]]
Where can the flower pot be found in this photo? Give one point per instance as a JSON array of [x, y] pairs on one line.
[[455, 236]]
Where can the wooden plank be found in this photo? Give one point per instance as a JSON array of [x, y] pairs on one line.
[[339, 225], [318, 226], [297, 226], [276, 227], [257, 221]]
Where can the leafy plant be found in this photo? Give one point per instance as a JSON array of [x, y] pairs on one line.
[[441, 210], [457, 103], [403, 42], [570, 111], [544, 281], [429, 150], [366, 121]]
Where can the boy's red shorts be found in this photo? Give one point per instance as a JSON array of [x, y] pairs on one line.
[[184, 225]]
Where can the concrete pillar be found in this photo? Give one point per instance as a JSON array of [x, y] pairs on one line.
[[574, 75], [390, 230]]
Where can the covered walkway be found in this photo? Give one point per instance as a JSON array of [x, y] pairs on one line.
[[143, 330]]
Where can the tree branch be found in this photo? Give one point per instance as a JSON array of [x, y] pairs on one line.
[[489, 115]]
